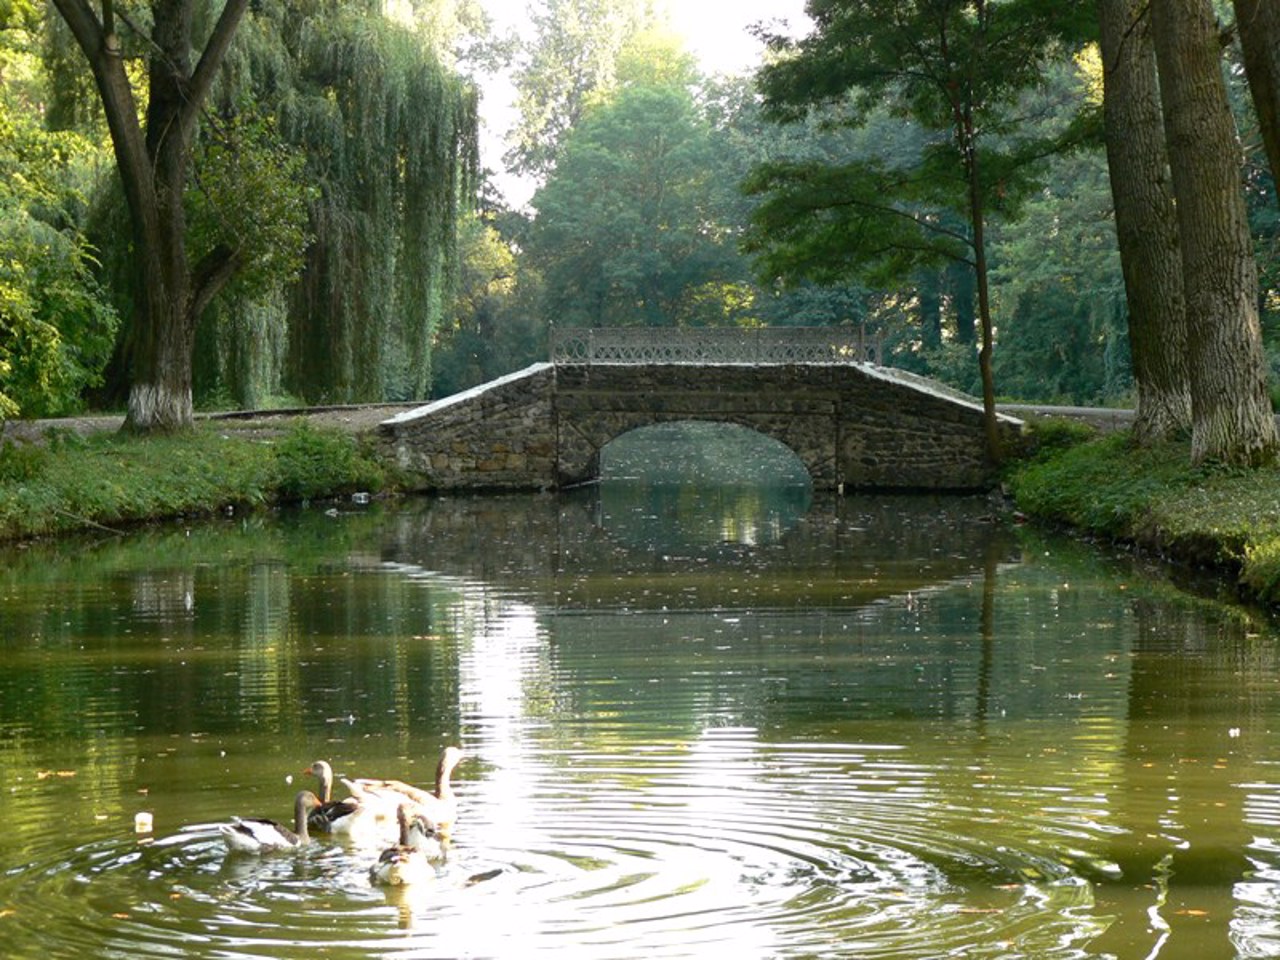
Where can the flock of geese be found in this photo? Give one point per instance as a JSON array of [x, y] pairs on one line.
[[419, 820]]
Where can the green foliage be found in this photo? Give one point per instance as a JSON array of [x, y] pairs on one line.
[[74, 483], [390, 139], [492, 330], [55, 324], [1106, 487], [570, 63], [625, 233], [249, 195], [1212, 515], [20, 462], [311, 462], [1045, 437], [957, 73]]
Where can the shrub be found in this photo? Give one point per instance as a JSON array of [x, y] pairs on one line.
[[312, 462], [20, 462]]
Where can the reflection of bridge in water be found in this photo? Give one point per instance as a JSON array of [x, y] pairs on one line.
[[840, 553], [851, 423]]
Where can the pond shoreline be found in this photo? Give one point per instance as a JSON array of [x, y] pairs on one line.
[[1232, 535]]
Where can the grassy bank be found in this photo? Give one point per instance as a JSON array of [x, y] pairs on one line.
[[1213, 517], [1210, 516], [70, 483]]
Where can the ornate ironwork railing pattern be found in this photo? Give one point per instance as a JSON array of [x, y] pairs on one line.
[[764, 345]]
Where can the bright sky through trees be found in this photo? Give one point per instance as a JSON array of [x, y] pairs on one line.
[[717, 32]]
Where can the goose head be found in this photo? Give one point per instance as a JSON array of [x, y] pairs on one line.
[[323, 773]]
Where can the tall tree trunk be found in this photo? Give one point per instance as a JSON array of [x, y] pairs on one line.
[[977, 221], [1258, 23], [929, 291], [1230, 410], [152, 162], [1146, 223]]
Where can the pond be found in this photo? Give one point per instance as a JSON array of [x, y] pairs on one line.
[[770, 723]]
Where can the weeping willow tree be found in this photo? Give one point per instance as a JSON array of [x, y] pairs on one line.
[[389, 136]]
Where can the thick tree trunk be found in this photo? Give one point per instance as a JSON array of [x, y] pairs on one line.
[[1230, 408], [152, 162], [1258, 23], [1146, 222]]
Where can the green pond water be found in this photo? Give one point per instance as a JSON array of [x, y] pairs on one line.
[[699, 722]]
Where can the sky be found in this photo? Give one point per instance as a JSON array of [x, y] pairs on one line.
[[716, 32]]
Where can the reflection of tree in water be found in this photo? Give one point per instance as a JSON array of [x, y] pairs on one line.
[[1190, 709], [843, 551], [668, 516]]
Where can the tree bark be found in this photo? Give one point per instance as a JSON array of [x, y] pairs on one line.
[[1230, 409], [1146, 222], [1258, 23], [153, 165]]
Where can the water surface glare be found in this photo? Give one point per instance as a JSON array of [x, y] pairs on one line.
[[872, 727]]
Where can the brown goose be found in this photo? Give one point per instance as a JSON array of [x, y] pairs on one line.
[[344, 816], [260, 835], [407, 861]]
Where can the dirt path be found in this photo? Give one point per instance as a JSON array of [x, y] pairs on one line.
[[355, 418]]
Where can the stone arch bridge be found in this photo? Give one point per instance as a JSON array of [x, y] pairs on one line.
[[853, 424]]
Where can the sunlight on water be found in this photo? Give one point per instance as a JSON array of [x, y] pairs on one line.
[[898, 729]]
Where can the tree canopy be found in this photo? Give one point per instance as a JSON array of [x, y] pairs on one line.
[[960, 69]]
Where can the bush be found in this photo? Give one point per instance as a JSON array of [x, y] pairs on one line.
[[1047, 436], [20, 462], [312, 462]]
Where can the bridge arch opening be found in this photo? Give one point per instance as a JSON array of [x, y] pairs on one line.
[[700, 451], [750, 488]]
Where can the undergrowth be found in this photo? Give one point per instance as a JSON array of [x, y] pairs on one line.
[[72, 482], [1207, 515]]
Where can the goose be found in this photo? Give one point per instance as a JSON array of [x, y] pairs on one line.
[[260, 835], [346, 816], [440, 806], [406, 861]]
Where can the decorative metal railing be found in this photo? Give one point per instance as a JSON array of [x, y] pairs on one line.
[[764, 345]]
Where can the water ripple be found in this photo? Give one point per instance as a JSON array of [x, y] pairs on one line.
[[664, 852]]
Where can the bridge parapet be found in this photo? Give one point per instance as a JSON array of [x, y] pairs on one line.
[[713, 345]]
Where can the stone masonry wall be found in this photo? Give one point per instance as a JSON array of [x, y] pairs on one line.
[[855, 427], [852, 427], [499, 436]]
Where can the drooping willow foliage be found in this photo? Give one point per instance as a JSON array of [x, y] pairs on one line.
[[389, 138]]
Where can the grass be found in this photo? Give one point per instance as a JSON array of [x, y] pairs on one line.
[[1207, 515], [74, 483]]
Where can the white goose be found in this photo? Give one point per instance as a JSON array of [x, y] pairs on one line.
[[260, 835], [407, 861], [440, 806], [348, 816]]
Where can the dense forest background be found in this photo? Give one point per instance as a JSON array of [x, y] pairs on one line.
[[336, 159]]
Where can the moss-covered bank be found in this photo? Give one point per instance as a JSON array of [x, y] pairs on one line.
[[1223, 519], [70, 483]]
